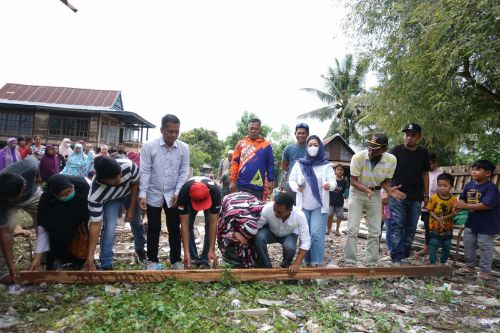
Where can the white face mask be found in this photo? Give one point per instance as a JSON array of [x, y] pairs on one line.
[[312, 151], [66, 144]]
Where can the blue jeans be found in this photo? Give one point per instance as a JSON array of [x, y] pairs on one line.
[[193, 251], [388, 225], [265, 236], [316, 221], [111, 210], [404, 216], [259, 194]]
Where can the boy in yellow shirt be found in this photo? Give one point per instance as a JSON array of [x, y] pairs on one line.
[[440, 207]]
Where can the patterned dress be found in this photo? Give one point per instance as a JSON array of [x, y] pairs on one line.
[[240, 213]]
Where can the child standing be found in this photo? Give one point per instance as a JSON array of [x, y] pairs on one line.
[[480, 197], [441, 213], [424, 215], [337, 200]]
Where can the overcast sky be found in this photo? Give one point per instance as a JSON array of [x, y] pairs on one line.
[[204, 61]]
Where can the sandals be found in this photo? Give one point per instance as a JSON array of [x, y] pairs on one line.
[[484, 276], [466, 271]]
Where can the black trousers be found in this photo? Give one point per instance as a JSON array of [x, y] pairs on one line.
[[174, 232]]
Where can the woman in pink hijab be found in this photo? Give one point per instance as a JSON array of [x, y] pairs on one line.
[[134, 157], [65, 149]]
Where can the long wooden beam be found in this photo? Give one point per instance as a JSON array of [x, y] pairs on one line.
[[207, 275]]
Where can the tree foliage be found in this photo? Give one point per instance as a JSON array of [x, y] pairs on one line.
[[205, 147], [241, 130], [342, 84], [279, 141], [438, 65]]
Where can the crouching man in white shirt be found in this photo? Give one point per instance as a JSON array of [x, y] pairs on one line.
[[281, 222]]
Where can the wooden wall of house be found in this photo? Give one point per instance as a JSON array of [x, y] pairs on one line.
[[336, 151], [41, 125], [93, 129]]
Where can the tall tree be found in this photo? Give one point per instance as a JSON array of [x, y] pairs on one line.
[[209, 149], [241, 130], [438, 65], [342, 83]]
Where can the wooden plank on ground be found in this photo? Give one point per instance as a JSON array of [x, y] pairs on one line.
[[263, 274]]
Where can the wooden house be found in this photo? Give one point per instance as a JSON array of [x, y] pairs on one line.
[[55, 113]]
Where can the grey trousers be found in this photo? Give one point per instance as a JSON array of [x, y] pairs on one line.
[[373, 207], [31, 207], [473, 242]]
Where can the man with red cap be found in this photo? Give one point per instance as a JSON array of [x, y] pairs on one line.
[[199, 194]]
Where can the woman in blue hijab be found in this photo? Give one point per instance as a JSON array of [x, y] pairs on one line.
[[312, 177], [78, 163]]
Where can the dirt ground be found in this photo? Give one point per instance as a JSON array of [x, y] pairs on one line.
[[457, 304]]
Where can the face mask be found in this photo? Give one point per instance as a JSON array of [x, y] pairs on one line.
[[68, 197], [66, 144], [312, 151]]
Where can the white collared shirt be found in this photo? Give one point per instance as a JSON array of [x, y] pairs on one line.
[[296, 223], [163, 171]]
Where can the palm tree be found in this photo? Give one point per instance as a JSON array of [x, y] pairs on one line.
[[343, 84]]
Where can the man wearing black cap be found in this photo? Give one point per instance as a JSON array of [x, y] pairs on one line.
[[199, 194], [371, 170], [412, 175]]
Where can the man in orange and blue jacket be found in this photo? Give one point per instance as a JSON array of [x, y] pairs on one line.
[[252, 163]]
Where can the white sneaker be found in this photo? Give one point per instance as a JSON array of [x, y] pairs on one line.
[[177, 266]]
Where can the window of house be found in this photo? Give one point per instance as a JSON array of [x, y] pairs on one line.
[[69, 126], [16, 123]]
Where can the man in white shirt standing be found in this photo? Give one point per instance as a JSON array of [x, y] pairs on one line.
[[164, 169], [281, 222]]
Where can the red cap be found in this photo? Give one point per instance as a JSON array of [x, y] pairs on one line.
[[200, 196]]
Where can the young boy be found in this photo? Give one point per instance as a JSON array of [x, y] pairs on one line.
[[424, 215], [480, 197], [441, 213], [337, 200]]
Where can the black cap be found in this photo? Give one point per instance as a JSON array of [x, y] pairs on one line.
[[412, 127], [377, 141], [302, 125]]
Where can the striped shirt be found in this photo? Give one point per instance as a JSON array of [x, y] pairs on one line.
[[361, 168], [101, 193]]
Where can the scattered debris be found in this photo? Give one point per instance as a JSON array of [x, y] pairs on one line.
[[287, 314], [267, 302], [235, 303], [251, 312], [110, 290], [490, 302]]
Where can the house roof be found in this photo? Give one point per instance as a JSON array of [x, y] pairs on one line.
[[61, 96], [338, 136], [26, 97]]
